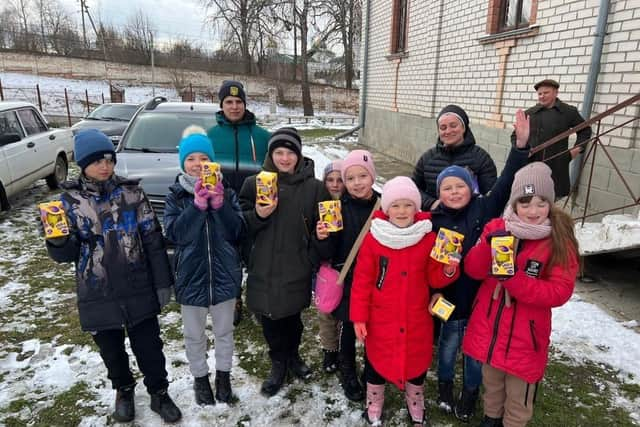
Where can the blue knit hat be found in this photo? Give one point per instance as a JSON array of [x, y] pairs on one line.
[[458, 172], [195, 143], [91, 145]]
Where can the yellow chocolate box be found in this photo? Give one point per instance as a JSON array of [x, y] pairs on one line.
[[448, 245], [503, 255], [209, 174], [54, 220], [331, 214], [266, 188]]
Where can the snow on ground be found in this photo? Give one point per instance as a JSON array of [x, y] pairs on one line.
[[614, 233], [19, 86]]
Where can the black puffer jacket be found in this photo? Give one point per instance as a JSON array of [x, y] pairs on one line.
[[466, 154], [354, 214], [280, 266], [117, 246]]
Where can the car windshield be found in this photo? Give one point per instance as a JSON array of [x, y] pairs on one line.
[[162, 131], [113, 112]]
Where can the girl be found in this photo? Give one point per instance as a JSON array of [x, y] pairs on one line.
[[280, 268], [510, 325], [206, 227], [328, 324], [390, 297], [358, 175]]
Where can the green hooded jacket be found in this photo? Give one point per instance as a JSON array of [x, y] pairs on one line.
[[240, 147], [284, 243]]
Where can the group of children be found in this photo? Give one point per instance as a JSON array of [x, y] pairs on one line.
[[502, 324]]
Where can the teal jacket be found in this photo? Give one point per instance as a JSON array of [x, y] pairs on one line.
[[240, 147]]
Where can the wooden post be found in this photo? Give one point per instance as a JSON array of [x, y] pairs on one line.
[[86, 95], [103, 97], [39, 98], [1, 92], [66, 101]]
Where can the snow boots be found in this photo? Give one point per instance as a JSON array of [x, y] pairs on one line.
[[298, 368], [414, 397], [202, 390], [125, 406], [276, 378], [445, 396], [162, 404], [375, 402], [223, 387], [466, 406], [349, 379]]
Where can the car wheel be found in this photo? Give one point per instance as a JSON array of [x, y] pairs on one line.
[[59, 174], [4, 202]]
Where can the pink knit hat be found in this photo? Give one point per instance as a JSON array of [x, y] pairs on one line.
[[533, 179], [358, 158], [400, 187]]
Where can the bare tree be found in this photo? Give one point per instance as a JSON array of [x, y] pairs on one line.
[[138, 35], [23, 39], [243, 19], [345, 17]]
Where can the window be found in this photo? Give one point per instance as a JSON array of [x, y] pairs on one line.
[[509, 15], [399, 26], [9, 124], [514, 14], [31, 122]]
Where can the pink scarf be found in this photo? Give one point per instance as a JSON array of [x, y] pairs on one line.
[[525, 231]]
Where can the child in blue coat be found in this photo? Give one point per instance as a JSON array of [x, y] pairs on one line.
[[206, 227]]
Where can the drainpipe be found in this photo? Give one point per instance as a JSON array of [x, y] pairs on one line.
[[365, 66], [592, 79]]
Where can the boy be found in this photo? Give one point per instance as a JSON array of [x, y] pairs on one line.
[[122, 272]]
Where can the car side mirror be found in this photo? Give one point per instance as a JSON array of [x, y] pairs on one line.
[[9, 138]]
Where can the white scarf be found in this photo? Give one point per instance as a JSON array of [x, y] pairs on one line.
[[399, 238]]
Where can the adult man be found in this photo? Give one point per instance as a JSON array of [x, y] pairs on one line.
[[239, 143], [549, 118]]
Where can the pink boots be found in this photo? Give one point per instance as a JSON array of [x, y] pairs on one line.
[[414, 396], [375, 401]]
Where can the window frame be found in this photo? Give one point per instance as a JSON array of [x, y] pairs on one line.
[[399, 27], [497, 14]]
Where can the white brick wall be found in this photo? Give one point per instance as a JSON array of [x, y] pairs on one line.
[[467, 72]]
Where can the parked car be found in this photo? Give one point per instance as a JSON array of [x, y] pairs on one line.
[[30, 150], [149, 146], [111, 118]]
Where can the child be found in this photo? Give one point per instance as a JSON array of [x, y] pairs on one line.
[[280, 269], [328, 324], [358, 175], [464, 212], [390, 297], [510, 325], [122, 272], [206, 227]]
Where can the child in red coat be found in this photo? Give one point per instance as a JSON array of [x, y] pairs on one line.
[[510, 326], [390, 298]]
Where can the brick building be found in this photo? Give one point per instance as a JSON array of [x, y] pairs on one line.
[[485, 55]]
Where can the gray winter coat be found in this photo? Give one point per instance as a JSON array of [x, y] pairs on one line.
[[280, 266]]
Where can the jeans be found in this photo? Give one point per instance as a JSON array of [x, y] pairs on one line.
[[451, 334], [283, 336]]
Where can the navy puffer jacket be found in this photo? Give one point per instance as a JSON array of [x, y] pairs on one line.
[[207, 260]]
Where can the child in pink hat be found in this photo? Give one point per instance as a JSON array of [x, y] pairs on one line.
[[390, 298]]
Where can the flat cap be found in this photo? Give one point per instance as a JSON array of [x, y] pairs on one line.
[[548, 83]]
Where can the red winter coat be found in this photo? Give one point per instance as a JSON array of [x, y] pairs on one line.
[[399, 326], [516, 339]]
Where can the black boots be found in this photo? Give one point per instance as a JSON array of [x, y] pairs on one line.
[[125, 406], [162, 404], [223, 387], [445, 396], [349, 378], [202, 389], [276, 378], [466, 406], [298, 368], [329, 361], [491, 422]]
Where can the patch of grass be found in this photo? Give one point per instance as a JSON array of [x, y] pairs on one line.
[[67, 408], [318, 133], [631, 390]]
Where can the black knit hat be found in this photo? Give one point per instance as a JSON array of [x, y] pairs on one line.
[[232, 88], [286, 137], [458, 111]]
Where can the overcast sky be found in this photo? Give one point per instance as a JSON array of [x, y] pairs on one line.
[[172, 19]]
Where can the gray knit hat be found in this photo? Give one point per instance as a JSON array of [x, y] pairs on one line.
[[533, 179]]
